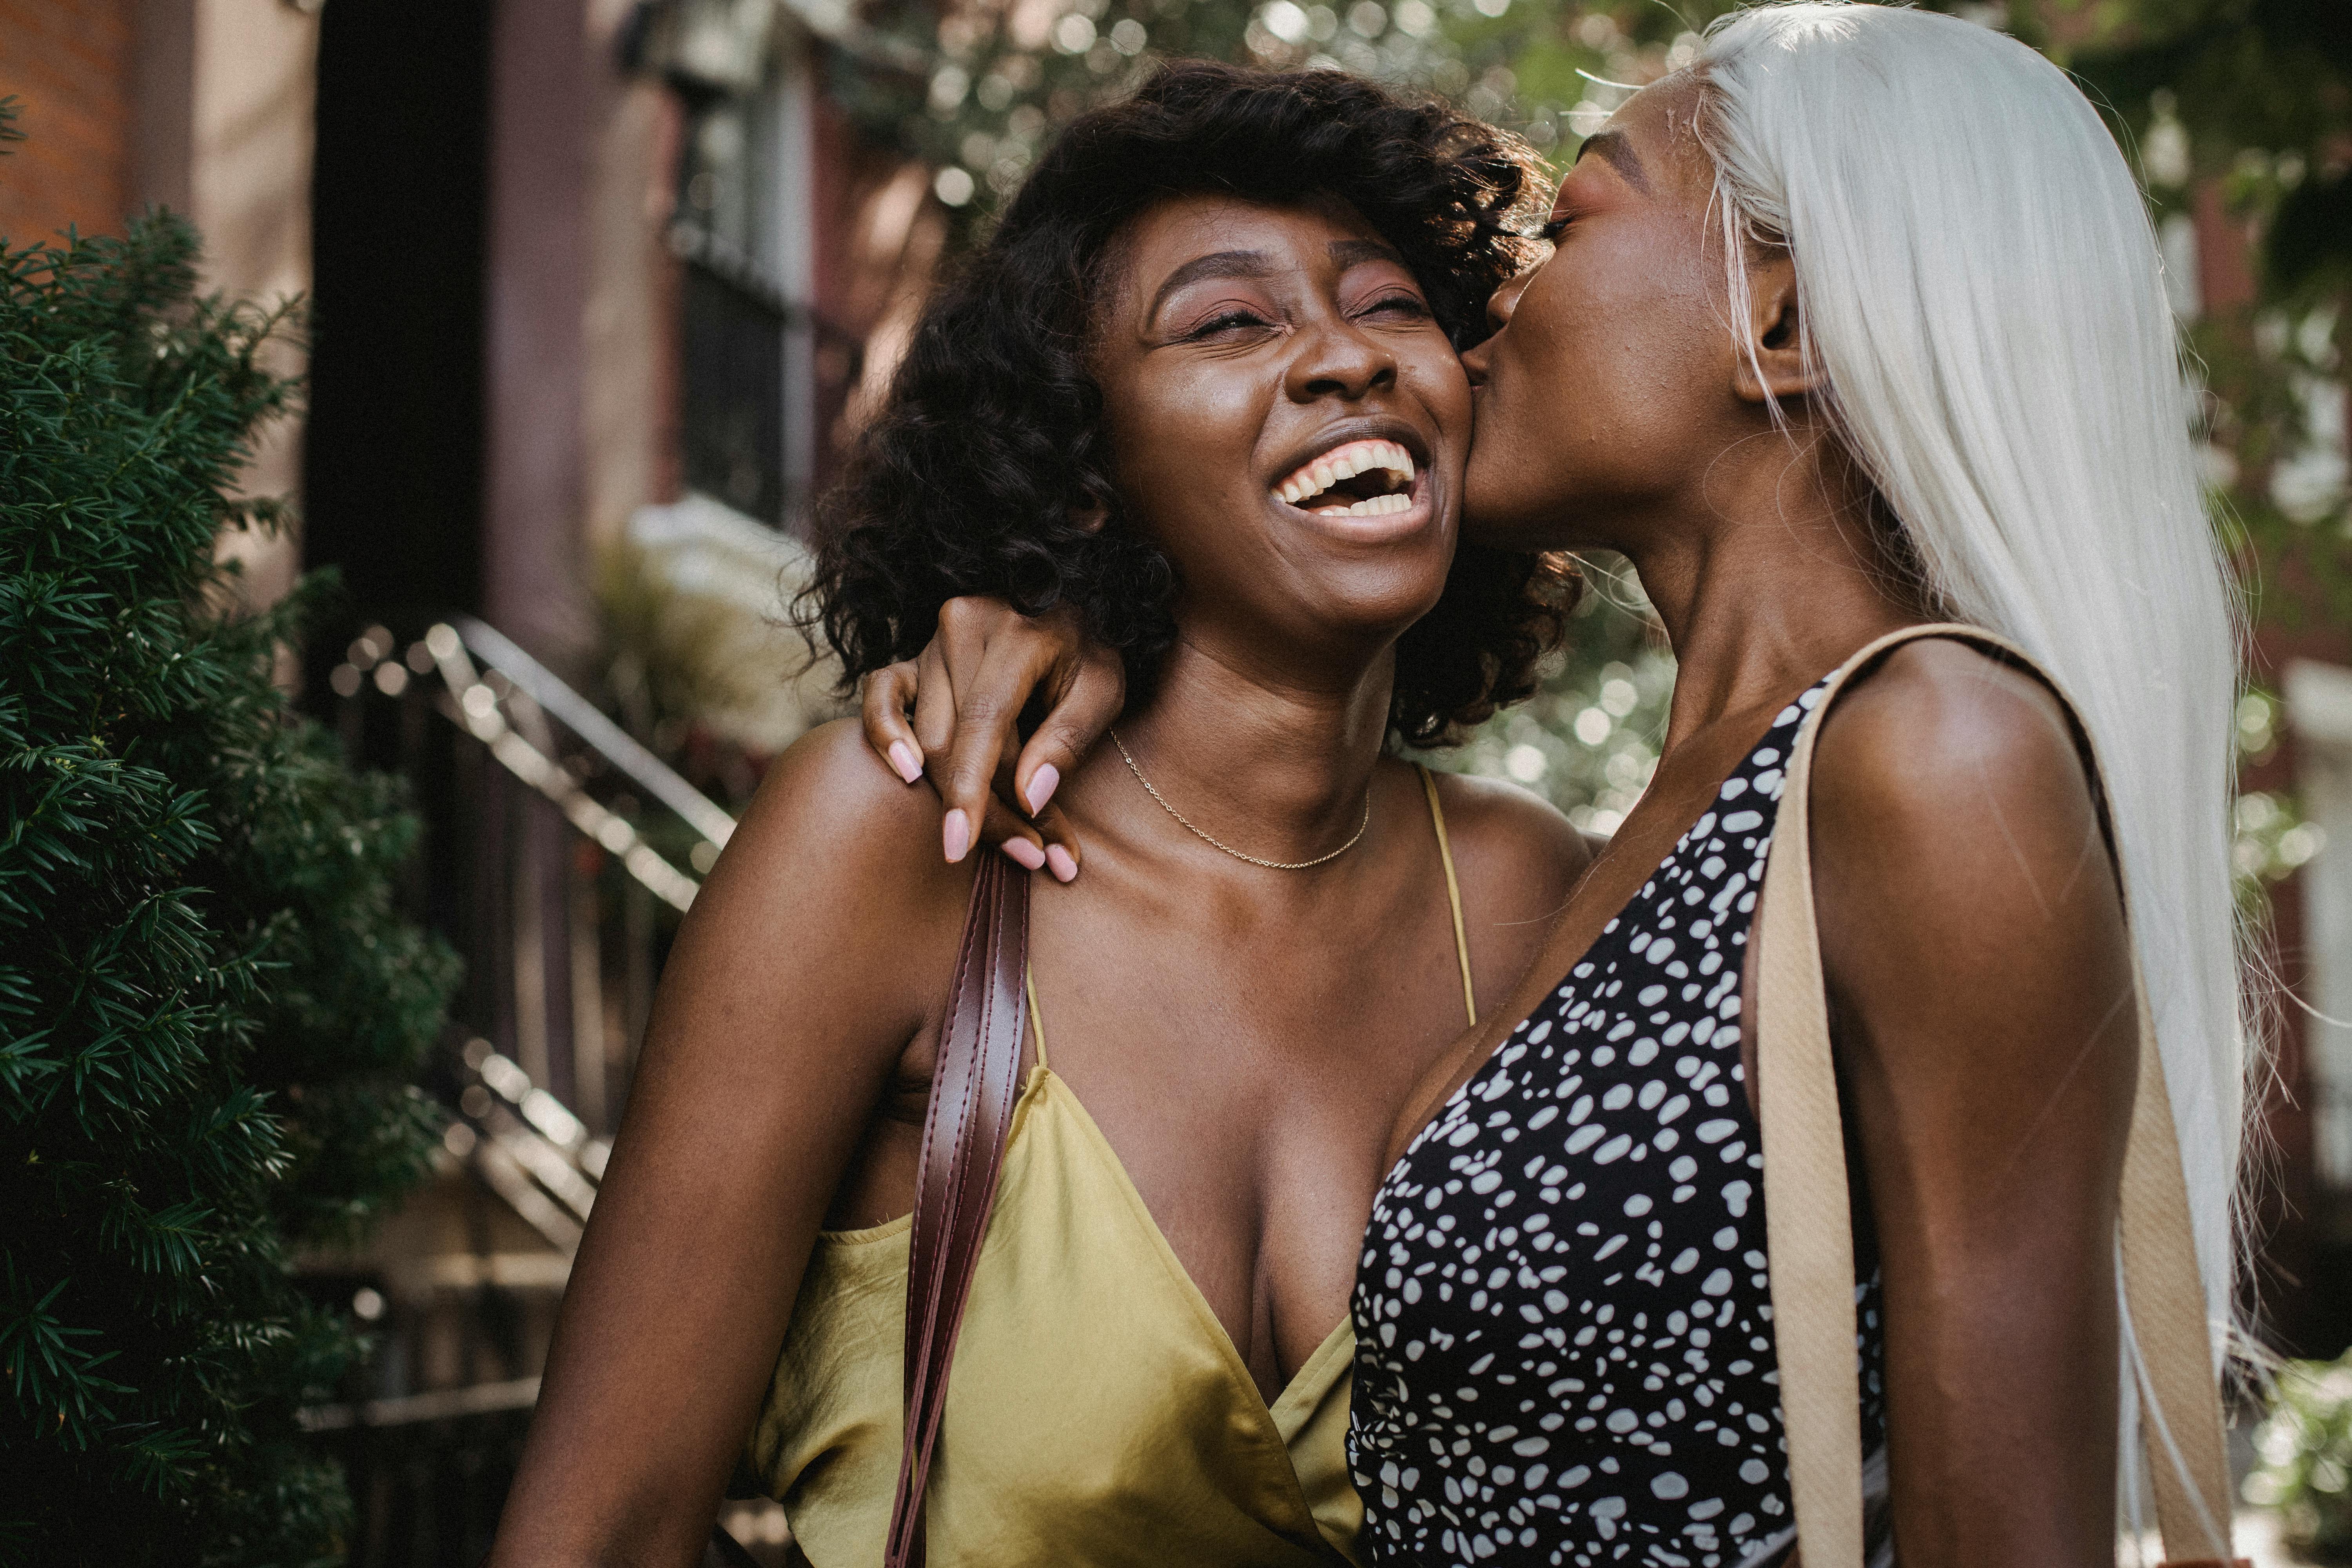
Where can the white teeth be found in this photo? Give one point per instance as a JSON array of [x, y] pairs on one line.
[[1378, 506], [1345, 463]]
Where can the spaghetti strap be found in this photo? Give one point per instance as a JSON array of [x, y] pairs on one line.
[[1453, 895], [1036, 1019]]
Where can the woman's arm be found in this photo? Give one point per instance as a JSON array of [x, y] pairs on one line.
[[815, 954], [1981, 982]]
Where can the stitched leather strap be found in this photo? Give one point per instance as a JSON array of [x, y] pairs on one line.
[[1810, 1237], [972, 1093]]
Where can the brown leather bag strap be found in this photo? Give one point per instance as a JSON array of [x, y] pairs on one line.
[[1810, 1241], [972, 1094]]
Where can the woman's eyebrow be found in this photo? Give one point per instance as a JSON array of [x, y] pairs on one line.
[[1618, 148], [1218, 264], [1347, 253]]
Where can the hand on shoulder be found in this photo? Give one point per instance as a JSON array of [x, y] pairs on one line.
[[829, 802], [818, 947], [834, 850]]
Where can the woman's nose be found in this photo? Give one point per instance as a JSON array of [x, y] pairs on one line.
[[1505, 299], [1340, 359]]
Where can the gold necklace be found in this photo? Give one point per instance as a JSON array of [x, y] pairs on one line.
[[1214, 844]]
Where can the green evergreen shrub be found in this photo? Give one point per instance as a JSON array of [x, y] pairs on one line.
[[210, 1008]]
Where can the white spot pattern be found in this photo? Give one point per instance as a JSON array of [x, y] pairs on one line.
[[1563, 1316]]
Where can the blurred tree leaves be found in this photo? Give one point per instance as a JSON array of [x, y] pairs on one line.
[[2239, 113]]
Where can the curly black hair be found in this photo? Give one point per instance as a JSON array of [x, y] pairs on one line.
[[973, 477]]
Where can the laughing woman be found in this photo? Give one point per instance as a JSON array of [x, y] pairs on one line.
[[1201, 383], [1855, 325]]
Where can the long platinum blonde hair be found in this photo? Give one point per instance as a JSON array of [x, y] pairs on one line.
[[1979, 290]]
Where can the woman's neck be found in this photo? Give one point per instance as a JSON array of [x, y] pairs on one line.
[[1772, 576], [1274, 768]]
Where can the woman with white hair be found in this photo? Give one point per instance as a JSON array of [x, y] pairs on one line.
[[1854, 326]]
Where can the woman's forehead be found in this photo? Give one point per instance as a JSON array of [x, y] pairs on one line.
[[1180, 232], [1652, 140]]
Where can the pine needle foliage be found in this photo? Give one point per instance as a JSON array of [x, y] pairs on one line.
[[209, 1006]]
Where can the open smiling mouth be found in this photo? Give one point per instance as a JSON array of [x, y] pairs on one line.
[[1361, 479]]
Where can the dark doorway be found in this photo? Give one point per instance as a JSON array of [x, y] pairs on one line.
[[393, 470], [392, 457]]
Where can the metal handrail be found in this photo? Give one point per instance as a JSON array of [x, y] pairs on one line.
[[566, 943], [529, 1147], [407, 1409], [603, 736], [508, 702], [475, 710]]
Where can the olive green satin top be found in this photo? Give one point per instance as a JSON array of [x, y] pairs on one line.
[[1097, 1412]]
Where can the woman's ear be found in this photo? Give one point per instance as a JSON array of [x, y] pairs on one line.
[[1090, 518], [1772, 365]]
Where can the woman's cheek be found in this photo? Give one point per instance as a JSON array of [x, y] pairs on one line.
[[1444, 388]]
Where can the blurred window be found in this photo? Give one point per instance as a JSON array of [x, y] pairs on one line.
[[743, 229]]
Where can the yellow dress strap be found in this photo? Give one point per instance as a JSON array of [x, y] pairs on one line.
[[1036, 1019], [1453, 895]]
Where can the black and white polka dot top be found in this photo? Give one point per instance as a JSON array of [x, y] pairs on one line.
[[1562, 1313]]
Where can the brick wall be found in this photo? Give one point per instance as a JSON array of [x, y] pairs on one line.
[[68, 64]]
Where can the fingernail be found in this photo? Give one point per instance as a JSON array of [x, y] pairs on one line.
[[1041, 787], [1059, 861], [956, 833], [1023, 852], [903, 758]]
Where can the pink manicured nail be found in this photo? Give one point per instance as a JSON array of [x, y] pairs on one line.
[[956, 833], [1041, 787], [1021, 852], [903, 758], [1059, 861]]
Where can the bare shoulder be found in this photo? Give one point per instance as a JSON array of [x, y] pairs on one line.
[[1517, 854], [1957, 847], [835, 861], [828, 786], [1942, 741]]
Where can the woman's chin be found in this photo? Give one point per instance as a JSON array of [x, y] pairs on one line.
[[1371, 611]]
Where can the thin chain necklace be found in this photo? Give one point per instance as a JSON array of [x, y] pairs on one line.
[[1217, 844]]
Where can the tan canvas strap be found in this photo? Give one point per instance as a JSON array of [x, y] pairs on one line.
[[1810, 1233], [2181, 1408], [973, 1091], [1453, 893]]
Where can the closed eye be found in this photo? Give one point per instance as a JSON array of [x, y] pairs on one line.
[[1554, 230], [1226, 321], [1400, 304]]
